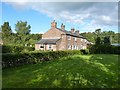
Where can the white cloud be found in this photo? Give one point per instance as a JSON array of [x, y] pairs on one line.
[[99, 13], [61, 0]]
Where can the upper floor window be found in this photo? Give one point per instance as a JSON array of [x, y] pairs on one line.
[[75, 39], [69, 37]]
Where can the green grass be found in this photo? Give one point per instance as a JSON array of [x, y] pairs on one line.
[[78, 71]]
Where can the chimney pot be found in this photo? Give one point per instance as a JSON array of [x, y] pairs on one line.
[[77, 32], [72, 30], [54, 24], [62, 26]]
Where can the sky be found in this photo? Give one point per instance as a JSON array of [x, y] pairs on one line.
[[83, 16]]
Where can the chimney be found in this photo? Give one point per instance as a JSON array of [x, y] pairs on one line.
[[72, 30], [77, 32], [54, 24], [62, 26]]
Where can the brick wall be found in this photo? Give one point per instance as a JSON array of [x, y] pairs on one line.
[[52, 33]]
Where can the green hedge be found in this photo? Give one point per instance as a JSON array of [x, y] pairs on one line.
[[16, 59], [16, 49], [104, 49]]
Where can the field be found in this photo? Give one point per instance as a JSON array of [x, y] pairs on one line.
[[77, 71]]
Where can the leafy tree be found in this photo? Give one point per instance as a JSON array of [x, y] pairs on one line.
[[98, 32], [106, 40], [22, 28], [23, 32], [6, 33], [91, 36], [98, 41]]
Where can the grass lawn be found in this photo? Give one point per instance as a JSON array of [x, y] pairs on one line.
[[78, 71]]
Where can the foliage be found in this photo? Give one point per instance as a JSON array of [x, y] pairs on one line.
[[98, 41], [22, 29], [106, 40], [78, 71], [22, 37], [16, 59], [6, 32], [97, 32], [16, 49], [104, 49], [84, 51], [91, 36]]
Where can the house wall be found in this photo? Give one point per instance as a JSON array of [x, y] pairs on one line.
[[37, 46], [52, 33], [62, 44], [55, 33], [46, 47]]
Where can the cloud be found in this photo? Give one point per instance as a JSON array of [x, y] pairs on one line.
[[60, 1], [97, 13]]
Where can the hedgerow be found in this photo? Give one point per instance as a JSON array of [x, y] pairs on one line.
[[17, 59], [104, 49]]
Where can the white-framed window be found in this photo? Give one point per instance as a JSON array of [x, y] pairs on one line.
[[81, 39], [75, 39], [74, 46], [41, 46], [69, 37], [69, 46], [50, 46]]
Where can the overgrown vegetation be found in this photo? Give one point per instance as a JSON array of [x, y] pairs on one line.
[[77, 71]]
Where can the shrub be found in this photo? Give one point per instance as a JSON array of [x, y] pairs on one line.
[[84, 51], [15, 49], [104, 49], [16, 59]]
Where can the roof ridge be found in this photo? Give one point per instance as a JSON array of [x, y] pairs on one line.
[[69, 33]]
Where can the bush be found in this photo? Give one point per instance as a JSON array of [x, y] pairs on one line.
[[16, 59], [104, 49], [16, 49], [84, 51]]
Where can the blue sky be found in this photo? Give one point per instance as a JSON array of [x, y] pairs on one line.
[[85, 17]]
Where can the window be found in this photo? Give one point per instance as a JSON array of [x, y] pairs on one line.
[[41, 46], [69, 47], [69, 38], [75, 39], [50, 46], [74, 46], [81, 39]]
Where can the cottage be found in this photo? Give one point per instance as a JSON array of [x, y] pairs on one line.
[[61, 39]]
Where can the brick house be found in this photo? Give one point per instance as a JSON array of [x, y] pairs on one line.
[[61, 39]]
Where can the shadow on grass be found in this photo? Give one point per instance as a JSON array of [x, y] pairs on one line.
[[78, 71]]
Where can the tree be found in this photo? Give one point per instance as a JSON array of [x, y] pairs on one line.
[[23, 32], [22, 28], [106, 40], [6, 33], [98, 41], [98, 32]]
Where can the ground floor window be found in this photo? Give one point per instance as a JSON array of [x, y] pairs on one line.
[[41, 46], [50, 46], [69, 47]]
